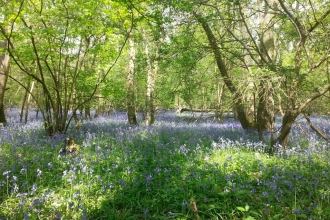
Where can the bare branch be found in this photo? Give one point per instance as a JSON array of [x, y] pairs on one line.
[[315, 129]]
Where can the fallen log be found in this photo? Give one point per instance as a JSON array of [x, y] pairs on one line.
[[180, 110]]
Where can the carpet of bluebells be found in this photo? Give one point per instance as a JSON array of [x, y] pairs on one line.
[[175, 169]]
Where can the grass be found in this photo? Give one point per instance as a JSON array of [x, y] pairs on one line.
[[165, 171]]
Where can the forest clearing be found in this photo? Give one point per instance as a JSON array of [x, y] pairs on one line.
[[175, 169]]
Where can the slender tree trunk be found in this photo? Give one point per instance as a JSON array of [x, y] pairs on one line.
[[245, 119], [87, 112], [23, 105], [74, 110], [48, 118], [131, 109], [97, 109], [100, 103], [28, 103], [219, 110], [4, 71], [152, 66]]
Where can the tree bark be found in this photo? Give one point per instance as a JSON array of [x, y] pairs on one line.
[[23, 104], [131, 109], [28, 103], [265, 107], [152, 70], [287, 121], [4, 71]]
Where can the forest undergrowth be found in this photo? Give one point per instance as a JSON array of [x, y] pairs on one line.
[[171, 170]]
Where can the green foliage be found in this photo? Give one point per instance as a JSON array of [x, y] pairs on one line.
[[125, 172], [68, 58]]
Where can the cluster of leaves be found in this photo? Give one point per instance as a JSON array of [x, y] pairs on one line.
[[172, 170]]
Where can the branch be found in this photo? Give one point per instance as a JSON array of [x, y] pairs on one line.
[[319, 21], [3, 30], [216, 51], [295, 21], [315, 96], [322, 60], [315, 129], [28, 91], [14, 21]]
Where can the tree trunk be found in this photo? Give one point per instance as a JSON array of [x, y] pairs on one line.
[[152, 66], [287, 121], [245, 119], [28, 103], [249, 93], [219, 110], [131, 109], [265, 107], [48, 119], [74, 110], [87, 112], [23, 104], [4, 71]]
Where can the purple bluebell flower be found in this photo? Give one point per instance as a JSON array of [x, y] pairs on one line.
[[36, 202], [71, 204], [33, 189], [149, 179], [296, 211], [26, 216]]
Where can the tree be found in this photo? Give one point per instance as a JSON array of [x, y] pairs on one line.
[[131, 107], [152, 71], [4, 57], [54, 53], [304, 65], [4, 71], [270, 62]]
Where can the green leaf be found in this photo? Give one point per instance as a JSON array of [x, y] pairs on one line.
[[241, 209]]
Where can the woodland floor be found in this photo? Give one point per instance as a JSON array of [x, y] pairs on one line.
[[175, 169]]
